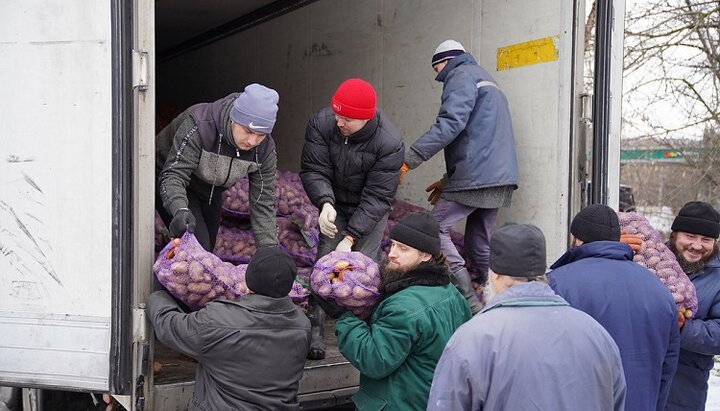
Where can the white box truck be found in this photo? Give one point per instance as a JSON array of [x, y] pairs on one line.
[[79, 84]]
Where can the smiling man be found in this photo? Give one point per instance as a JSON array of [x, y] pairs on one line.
[[350, 170], [694, 242], [207, 149]]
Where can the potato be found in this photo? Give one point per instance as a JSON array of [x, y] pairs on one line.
[[199, 288], [196, 271], [360, 293], [343, 291], [179, 267]]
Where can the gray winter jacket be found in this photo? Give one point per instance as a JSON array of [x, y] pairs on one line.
[[196, 152], [473, 127], [529, 350], [250, 352], [358, 175]]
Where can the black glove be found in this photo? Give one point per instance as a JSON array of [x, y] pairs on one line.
[[182, 221], [330, 307]]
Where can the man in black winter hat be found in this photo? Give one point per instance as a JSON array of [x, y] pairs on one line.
[[694, 242], [491, 362], [397, 349], [250, 351], [597, 276]]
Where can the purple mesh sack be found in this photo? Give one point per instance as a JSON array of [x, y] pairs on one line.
[[658, 258], [234, 245], [195, 276], [298, 294], [296, 243], [349, 278], [289, 193], [235, 199]]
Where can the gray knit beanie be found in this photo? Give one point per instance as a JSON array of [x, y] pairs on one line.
[[256, 108]]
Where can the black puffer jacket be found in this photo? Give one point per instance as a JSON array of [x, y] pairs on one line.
[[358, 175]]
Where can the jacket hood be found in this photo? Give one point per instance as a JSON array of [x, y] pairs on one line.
[[538, 292], [611, 250], [430, 274], [465, 58]]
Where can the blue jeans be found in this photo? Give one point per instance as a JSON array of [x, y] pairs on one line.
[[368, 244], [478, 228]]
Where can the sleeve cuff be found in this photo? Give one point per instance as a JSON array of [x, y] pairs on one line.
[[413, 159]]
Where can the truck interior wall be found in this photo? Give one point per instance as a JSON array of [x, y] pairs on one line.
[[306, 54]]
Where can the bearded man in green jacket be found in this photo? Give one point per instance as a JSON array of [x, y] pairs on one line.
[[397, 350]]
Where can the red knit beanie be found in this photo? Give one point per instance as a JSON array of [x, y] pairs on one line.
[[355, 98]]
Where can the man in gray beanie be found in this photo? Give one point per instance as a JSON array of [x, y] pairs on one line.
[[207, 149], [396, 351], [474, 130], [527, 349], [694, 240], [598, 276]]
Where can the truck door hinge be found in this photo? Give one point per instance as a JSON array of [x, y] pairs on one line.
[[586, 108], [139, 325], [141, 69]]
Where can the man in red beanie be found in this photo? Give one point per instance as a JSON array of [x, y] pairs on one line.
[[350, 171]]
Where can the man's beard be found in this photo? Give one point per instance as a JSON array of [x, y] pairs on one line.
[[489, 292], [390, 275], [691, 267]]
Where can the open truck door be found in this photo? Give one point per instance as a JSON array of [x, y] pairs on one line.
[[73, 224]]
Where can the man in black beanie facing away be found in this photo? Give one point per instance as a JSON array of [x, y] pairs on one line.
[[397, 349], [597, 276], [694, 242], [250, 351]]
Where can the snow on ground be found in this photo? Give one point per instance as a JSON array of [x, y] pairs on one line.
[[713, 398]]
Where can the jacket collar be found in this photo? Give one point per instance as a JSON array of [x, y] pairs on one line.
[[611, 250], [431, 274], [261, 303], [533, 293], [465, 58], [364, 134]]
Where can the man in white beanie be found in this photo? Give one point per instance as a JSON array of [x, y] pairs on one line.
[[207, 149], [474, 129]]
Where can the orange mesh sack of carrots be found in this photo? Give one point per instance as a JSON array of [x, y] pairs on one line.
[[349, 278], [195, 276]]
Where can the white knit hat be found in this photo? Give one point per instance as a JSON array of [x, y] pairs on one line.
[[447, 50]]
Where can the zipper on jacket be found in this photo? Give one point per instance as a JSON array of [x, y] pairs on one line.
[[346, 140]]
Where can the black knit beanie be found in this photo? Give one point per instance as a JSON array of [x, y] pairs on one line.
[[698, 217], [271, 272], [418, 230], [518, 250], [596, 222]]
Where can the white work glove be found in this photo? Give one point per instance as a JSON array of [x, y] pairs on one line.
[[345, 245], [327, 220]]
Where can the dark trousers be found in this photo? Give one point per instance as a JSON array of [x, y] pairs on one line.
[[207, 216]]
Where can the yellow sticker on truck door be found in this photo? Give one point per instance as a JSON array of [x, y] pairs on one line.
[[527, 53]]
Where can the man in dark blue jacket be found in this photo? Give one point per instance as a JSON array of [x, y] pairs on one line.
[[597, 276], [694, 242], [474, 130]]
